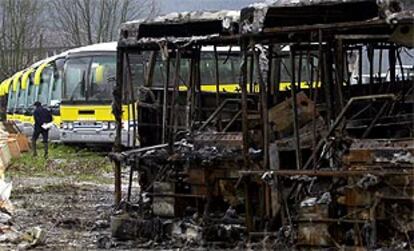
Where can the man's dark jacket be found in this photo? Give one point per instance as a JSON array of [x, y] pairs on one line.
[[41, 116]]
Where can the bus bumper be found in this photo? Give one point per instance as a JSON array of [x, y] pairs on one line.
[[94, 137]]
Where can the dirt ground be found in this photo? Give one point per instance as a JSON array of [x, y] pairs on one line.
[[70, 197]]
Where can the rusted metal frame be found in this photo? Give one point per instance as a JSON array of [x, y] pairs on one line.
[[131, 101], [218, 111], [401, 65], [269, 84], [275, 70], [243, 84], [251, 75], [264, 109], [149, 76], [392, 63], [327, 27], [190, 90], [348, 76], [328, 173], [403, 94], [174, 96], [298, 150], [198, 101], [299, 86], [131, 176], [117, 111], [235, 117], [217, 75], [380, 66], [360, 54], [375, 120], [339, 70], [309, 74], [371, 52], [329, 86], [165, 102], [315, 96], [195, 85], [338, 120]]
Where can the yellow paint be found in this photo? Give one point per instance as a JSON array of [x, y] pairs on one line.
[[25, 77], [16, 81], [18, 117], [27, 119], [70, 113], [38, 73], [7, 85], [57, 120], [234, 88], [10, 117], [2, 89]]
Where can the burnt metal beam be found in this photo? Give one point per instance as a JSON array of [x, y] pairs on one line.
[[117, 111]]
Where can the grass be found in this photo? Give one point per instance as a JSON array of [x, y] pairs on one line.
[[82, 164]]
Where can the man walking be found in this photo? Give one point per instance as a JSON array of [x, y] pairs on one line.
[[42, 117]]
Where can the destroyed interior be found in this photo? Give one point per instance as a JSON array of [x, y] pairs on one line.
[[281, 126]]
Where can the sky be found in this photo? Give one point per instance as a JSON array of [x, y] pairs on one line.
[[167, 6]]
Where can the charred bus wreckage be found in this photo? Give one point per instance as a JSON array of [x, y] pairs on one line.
[[325, 163]]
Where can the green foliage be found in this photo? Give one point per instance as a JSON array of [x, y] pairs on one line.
[[82, 164]]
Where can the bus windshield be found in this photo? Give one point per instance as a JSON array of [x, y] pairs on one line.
[[75, 79], [102, 76]]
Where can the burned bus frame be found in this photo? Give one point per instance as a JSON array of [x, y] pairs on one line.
[[331, 32]]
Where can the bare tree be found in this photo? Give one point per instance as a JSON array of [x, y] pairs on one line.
[[82, 22], [21, 30]]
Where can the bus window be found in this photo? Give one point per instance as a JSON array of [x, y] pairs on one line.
[[21, 99], [31, 90], [11, 100], [103, 70], [45, 84], [228, 66], [56, 92], [75, 79]]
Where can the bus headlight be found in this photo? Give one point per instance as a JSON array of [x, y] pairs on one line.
[[70, 126], [105, 126], [64, 126], [112, 125]]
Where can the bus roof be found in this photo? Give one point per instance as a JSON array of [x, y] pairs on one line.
[[101, 47]]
